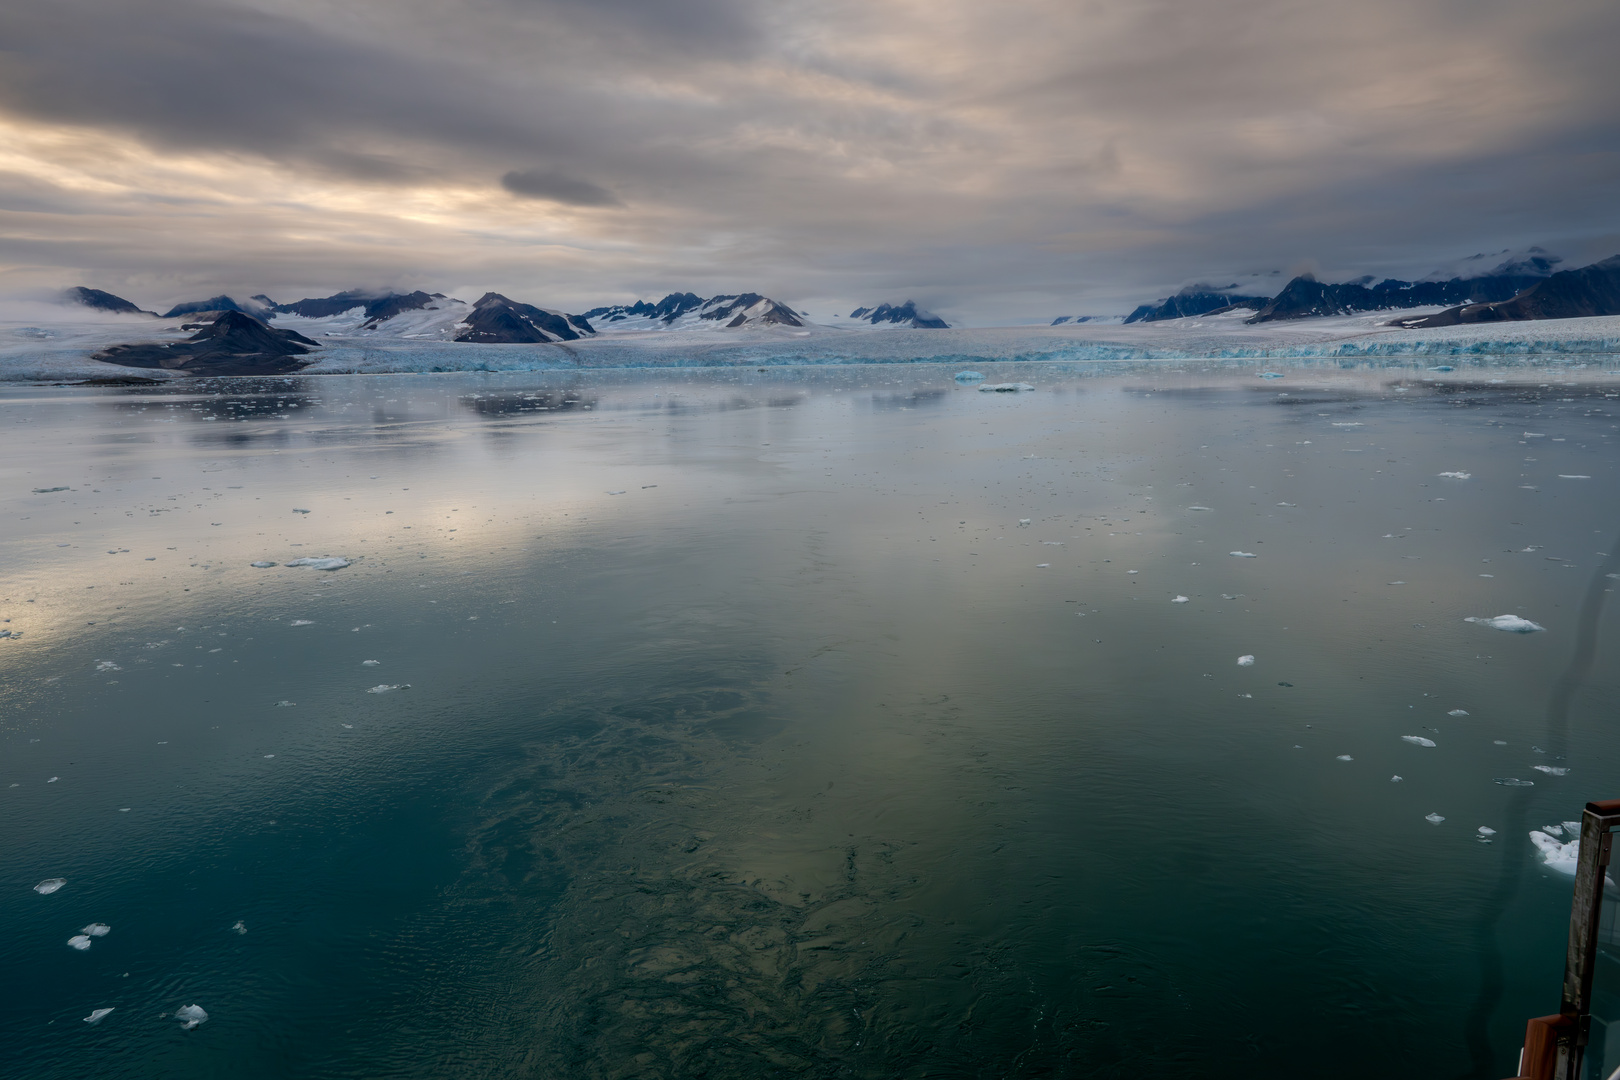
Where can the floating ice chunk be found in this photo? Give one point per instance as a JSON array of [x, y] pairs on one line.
[[1246, 660], [1344, 757], [1023, 523], [325, 562], [190, 1016], [383, 688], [107, 665], [97, 1015], [302, 622], [1511, 623], [1179, 600], [1348, 423], [1573, 476], [1417, 740], [1242, 554], [286, 704], [50, 885], [1004, 387], [1271, 375], [370, 663], [1513, 781], [615, 493], [267, 757], [1458, 712], [1486, 830], [1042, 565], [79, 941], [1500, 742], [1560, 856], [1535, 435], [1552, 770], [1456, 475], [1433, 819], [1201, 509], [97, 929], [969, 376], [50, 490], [239, 926], [1395, 779], [1287, 504], [262, 564], [296, 510]]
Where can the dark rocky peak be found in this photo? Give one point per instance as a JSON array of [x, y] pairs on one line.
[[906, 314], [104, 301], [495, 319], [235, 343], [1305, 296], [327, 306], [205, 310], [1567, 294], [668, 309], [1199, 299]]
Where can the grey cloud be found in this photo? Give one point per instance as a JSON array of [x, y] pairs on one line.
[[536, 184]]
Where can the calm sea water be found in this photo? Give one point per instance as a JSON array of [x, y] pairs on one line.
[[821, 723]]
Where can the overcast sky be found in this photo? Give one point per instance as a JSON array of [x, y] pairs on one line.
[[996, 161]]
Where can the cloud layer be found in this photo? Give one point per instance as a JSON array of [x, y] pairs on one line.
[[996, 161]]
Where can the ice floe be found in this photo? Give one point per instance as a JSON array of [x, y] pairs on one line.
[[1433, 819], [79, 941], [190, 1016], [1573, 476], [1552, 770], [1396, 779], [1202, 509], [1178, 599], [1513, 781], [239, 926], [1511, 623], [370, 663], [302, 622], [1486, 830], [97, 929], [969, 376], [286, 704], [1344, 757], [1417, 740], [262, 564], [50, 885], [1458, 712], [1242, 554], [1246, 660], [324, 562], [383, 688], [1562, 856], [1456, 475], [97, 1015], [1004, 387]]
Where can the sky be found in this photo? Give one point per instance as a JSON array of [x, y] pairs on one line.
[[997, 162]]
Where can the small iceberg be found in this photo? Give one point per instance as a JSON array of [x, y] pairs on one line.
[[370, 663], [1511, 623], [1396, 779], [1344, 757], [1417, 740], [1004, 387], [262, 564], [1246, 660], [50, 885], [79, 941], [383, 688], [1456, 475], [1458, 712], [1433, 819], [1559, 855], [1513, 781], [97, 929], [1271, 375], [1486, 830], [969, 376], [190, 1016], [1242, 554], [97, 1015], [239, 926], [302, 622], [1552, 770], [325, 562], [50, 490], [1204, 509], [1179, 600], [1573, 476]]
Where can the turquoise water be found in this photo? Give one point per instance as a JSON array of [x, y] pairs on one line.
[[740, 730]]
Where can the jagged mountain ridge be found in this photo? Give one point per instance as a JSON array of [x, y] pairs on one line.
[[258, 307], [1305, 296], [1567, 294], [906, 314], [690, 311], [236, 343], [1200, 299]]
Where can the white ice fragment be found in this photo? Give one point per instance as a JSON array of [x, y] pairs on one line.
[[1271, 375], [1344, 757], [107, 665], [1201, 508], [296, 510], [1023, 523], [1486, 830], [1433, 819], [1179, 600], [267, 757], [97, 1015], [1511, 623], [969, 376], [1246, 660], [370, 663], [1042, 565], [1287, 504], [302, 622], [1458, 712], [97, 929], [190, 1016], [615, 493], [1500, 742], [1242, 554], [1551, 770], [239, 926], [1395, 779], [1004, 387], [383, 688], [1456, 475], [286, 704], [49, 490], [262, 564], [1417, 740], [325, 562], [1573, 476], [50, 885], [1351, 423], [1513, 781], [1562, 857], [79, 941]]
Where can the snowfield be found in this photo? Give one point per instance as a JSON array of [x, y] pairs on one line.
[[41, 342]]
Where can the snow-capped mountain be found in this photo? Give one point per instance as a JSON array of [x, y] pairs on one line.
[[1568, 294], [205, 310], [495, 319], [104, 301], [907, 314], [688, 311], [1200, 299]]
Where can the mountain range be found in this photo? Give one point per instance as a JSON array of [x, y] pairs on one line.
[[1568, 294], [236, 343], [906, 314]]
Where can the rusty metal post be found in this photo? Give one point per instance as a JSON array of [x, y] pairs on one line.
[[1580, 961]]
